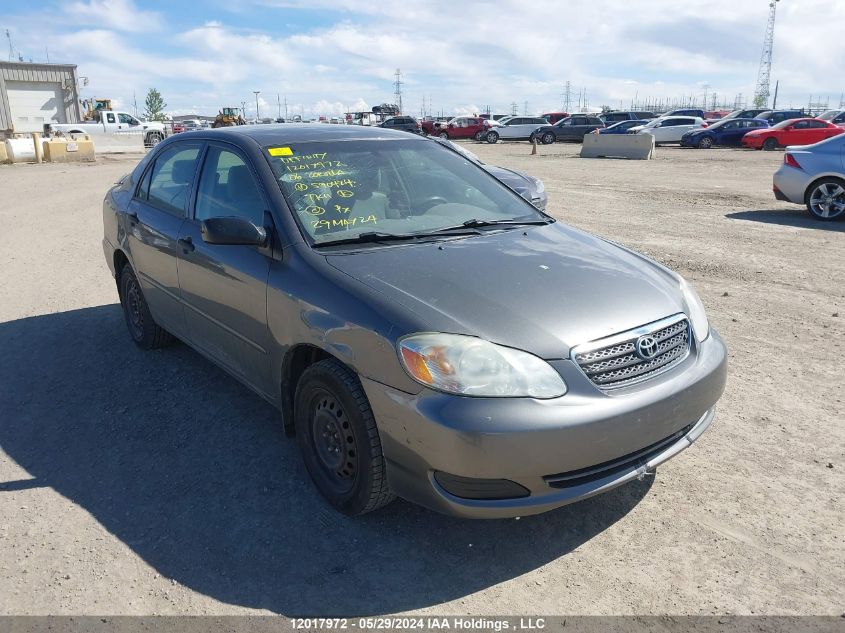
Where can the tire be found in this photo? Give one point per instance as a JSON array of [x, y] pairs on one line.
[[705, 143], [143, 329], [770, 144], [479, 136], [548, 138], [825, 199], [492, 137], [339, 440], [153, 139], [443, 135]]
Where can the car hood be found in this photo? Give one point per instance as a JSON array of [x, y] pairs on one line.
[[540, 289]]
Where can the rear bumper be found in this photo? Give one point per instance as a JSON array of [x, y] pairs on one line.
[[559, 451], [790, 184]]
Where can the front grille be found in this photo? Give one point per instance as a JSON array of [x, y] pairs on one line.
[[614, 361]]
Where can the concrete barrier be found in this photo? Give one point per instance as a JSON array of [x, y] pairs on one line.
[[639, 146], [117, 143], [4, 156], [63, 150]]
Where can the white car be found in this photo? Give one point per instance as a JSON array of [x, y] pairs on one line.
[[514, 128], [669, 129]]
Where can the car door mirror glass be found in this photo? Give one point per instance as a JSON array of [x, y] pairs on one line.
[[232, 231]]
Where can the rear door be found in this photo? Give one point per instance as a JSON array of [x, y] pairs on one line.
[[579, 128], [513, 128], [224, 287], [156, 214]]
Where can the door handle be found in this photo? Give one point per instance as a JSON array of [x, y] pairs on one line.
[[133, 217], [186, 243]]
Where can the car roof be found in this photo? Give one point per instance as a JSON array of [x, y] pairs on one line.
[[275, 134]]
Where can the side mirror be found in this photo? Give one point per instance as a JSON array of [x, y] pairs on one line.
[[231, 231]]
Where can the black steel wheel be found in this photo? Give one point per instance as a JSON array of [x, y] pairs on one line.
[[143, 329], [770, 144], [339, 440], [705, 143]]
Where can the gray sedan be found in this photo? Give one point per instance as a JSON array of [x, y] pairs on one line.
[[814, 175], [423, 329]]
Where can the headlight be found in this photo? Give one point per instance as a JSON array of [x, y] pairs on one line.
[[538, 184], [697, 314], [470, 366]]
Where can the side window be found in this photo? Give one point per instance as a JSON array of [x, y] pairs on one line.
[[594, 121], [816, 124], [801, 125], [171, 177], [579, 121], [227, 188], [670, 123], [125, 118], [109, 117], [840, 118], [730, 125]]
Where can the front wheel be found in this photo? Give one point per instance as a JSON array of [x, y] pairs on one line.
[[153, 139], [339, 440], [548, 138], [770, 144], [443, 135], [492, 137], [705, 143], [826, 199]]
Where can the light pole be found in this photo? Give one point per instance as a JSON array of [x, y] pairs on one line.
[[257, 114]]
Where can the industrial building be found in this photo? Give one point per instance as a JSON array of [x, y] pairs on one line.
[[34, 94]]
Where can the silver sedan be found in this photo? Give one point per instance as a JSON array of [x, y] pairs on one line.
[[814, 175]]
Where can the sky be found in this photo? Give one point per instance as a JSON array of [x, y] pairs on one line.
[[326, 57]]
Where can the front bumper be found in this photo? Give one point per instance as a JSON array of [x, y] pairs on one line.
[[559, 450]]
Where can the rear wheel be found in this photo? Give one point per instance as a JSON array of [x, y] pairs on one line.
[[339, 440], [770, 144], [826, 199], [443, 135], [492, 137], [143, 329], [548, 138], [705, 143], [479, 136]]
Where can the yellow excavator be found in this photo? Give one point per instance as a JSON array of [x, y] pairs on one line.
[[93, 107], [227, 117]]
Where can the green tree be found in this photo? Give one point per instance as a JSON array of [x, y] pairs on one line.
[[155, 106]]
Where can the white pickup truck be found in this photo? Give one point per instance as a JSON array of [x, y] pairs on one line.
[[112, 122]]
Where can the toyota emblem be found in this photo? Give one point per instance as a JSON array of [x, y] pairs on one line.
[[647, 347]]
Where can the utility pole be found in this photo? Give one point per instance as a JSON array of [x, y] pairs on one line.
[[761, 93], [286, 107], [706, 88], [243, 108], [397, 93], [525, 109], [11, 48], [257, 114], [279, 103], [775, 98]]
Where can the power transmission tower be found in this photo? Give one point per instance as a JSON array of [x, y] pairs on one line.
[[397, 93], [514, 108], [525, 109], [761, 93]]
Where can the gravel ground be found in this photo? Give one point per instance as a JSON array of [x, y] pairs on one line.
[[151, 483]]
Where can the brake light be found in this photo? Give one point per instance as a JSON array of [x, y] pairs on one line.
[[705, 124], [789, 159]]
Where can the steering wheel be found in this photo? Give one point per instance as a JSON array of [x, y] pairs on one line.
[[432, 201]]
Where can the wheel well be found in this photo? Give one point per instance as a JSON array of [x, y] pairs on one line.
[[120, 260], [297, 360]]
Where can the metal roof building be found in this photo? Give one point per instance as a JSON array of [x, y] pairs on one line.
[[34, 94]]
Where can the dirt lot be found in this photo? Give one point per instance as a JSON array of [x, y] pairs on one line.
[[141, 483]]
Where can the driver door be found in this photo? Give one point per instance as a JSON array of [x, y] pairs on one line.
[[224, 287]]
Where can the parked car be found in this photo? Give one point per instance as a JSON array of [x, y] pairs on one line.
[[177, 127], [615, 116], [837, 117], [526, 185], [723, 132], [744, 114], [404, 123], [513, 128], [191, 124], [776, 116], [280, 120], [432, 336], [814, 175], [463, 127], [571, 128], [669, 129], [791, 132], [553, 117], [622, 127], [693, 112]]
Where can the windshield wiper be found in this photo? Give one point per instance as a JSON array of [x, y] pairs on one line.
[[474, 224], [370, 236]]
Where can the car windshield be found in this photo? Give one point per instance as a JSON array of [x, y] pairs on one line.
[[732, 115], [505, 119], [342, 189], [829, 115]]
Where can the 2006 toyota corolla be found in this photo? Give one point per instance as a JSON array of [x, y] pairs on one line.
[[424, 330]]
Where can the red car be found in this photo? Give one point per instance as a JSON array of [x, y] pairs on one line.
[[554, 117], [791, 132], [463, 127]]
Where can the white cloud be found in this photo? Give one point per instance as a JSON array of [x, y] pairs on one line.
[[121, 15]]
